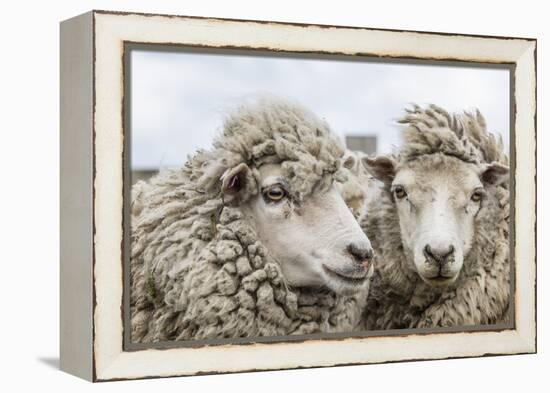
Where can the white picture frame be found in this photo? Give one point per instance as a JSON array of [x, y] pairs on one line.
[[93, 189]]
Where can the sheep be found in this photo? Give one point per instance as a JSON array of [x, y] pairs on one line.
[[440, 225], [250, 238], [360, 187]]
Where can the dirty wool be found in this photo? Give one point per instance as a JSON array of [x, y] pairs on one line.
[[198, 268]]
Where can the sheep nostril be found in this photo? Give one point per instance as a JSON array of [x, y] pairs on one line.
[[451, 250], [360, 251], [438, 255], [428, 252]]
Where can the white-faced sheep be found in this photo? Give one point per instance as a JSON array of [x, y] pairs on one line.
[[250, 238], [440, 227]]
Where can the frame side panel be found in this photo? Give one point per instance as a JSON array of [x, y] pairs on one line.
[[76, 209]]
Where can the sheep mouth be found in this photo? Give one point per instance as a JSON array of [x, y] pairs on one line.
[[439, 279], [354, 279]]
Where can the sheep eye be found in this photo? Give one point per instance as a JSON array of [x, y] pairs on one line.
[[477, 196], [275, 193], [400, 192]]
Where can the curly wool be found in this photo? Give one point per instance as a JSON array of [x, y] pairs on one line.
[[198, 269], [398, 298], [464, 136]]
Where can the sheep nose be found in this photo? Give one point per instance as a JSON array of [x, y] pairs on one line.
[[440, 255], [361, 251]]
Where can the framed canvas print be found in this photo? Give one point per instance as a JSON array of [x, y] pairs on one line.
[[245, 195]]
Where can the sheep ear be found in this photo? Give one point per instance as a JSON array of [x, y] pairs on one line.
[[235, 179], [494, 174], [382, 168], [349, 160]]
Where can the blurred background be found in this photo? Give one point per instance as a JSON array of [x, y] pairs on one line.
[[179, 97]]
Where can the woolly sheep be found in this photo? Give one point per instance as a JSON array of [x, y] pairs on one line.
[[440, 226], [250, 238]]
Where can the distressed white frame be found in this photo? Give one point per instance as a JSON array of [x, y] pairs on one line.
[[112, 30]]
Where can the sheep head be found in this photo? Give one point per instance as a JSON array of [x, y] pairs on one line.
[[280, 168], [438, 186], [316, 240]]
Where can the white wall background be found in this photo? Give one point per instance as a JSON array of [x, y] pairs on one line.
[[179, 98], [29, 197]]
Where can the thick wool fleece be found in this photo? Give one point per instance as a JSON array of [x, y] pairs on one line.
[[398, 298], [198, 269]]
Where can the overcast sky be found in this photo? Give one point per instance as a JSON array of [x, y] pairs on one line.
[[179, 99]]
